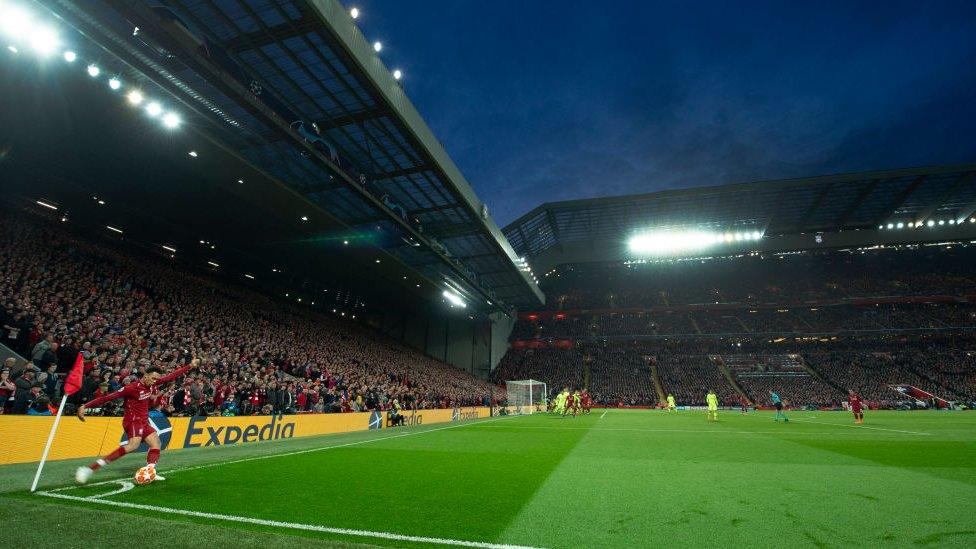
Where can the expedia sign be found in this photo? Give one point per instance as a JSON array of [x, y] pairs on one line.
[[76, 439], [198, 433]]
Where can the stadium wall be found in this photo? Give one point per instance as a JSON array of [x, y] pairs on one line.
[[26, 435]]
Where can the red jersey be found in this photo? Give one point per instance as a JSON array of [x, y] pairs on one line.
[[855, 403], [138, 397]]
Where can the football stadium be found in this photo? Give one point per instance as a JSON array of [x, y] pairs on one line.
[[233, 248]]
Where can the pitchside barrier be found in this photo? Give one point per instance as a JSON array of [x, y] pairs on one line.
[[22, 438]]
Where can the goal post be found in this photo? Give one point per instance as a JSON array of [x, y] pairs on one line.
[[526, 396]]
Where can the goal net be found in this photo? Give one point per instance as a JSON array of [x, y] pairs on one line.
[[526, 396]]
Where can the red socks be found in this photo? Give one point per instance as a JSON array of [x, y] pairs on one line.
[[152, 457], [116, 454]]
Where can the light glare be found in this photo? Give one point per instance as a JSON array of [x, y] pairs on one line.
[[377, 46], [135, 97], [354, 13], [44, 40], [94, 71], [70, 56], [15, 20], [171, 120], [154, 109], [454, 299], [672, 242], [397, 74], [114, 83]]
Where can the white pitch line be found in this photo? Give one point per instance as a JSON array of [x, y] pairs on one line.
[[295, 453], [604, 413], [863, 427], [290, 525], [715, 431], [125, 487]]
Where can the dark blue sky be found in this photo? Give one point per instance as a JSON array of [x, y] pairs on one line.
[[540, 101]]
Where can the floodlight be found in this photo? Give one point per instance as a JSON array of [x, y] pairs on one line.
[[171, 120], [354, 13], [930, 223], [397, 74], [12, 48], [671, 242], [941, 222], [756, 235], [114, 83], [70, 56], [952, 221], [454, 299], [154, 109], [135, 97], [891, 226], [900, 225], [44, 40], [94, 71], [377, 46], [14, 20]]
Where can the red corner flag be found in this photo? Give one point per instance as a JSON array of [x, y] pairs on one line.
[[73, 383]]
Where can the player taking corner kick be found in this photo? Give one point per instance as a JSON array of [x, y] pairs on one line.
[[137, 397]]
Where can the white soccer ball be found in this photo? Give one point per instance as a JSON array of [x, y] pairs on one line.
[[145, 475]]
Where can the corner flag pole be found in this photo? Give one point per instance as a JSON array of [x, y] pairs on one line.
[[72, 385], [50, 439]]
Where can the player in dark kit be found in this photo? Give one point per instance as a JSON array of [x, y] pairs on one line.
[[856, 405], [137, 395]]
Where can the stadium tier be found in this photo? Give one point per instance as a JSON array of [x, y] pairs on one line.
[[123, 310]]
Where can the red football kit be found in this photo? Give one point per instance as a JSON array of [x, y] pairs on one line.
[[138, 398]]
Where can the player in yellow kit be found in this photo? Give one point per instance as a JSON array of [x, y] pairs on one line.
[[712, 400], [671, 405]]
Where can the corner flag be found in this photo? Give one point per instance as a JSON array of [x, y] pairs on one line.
[[72, 384]]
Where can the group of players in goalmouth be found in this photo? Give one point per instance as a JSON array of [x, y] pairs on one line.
[[138, 395]]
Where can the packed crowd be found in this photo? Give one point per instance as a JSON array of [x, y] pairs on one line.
[[124, 310], [749, 320], [793, 278]]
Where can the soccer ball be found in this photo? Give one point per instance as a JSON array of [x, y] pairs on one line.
[[145, 475]]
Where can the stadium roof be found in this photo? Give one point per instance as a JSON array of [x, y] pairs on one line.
[[792, 206], [295, 90]]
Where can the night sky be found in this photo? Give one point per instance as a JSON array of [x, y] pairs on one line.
[[542, 101]]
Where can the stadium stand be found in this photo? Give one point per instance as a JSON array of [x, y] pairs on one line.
[[809, 325], [124, 310]]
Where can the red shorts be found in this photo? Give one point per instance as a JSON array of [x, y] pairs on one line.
[[137, 428], [856, 409]]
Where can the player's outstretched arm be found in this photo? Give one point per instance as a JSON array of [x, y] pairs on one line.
[[195, 363], [95, 403]]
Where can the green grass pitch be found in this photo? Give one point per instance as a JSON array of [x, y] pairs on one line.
[[626, 478]]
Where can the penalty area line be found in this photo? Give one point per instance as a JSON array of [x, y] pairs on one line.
[[289, 525], [604, 413]]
